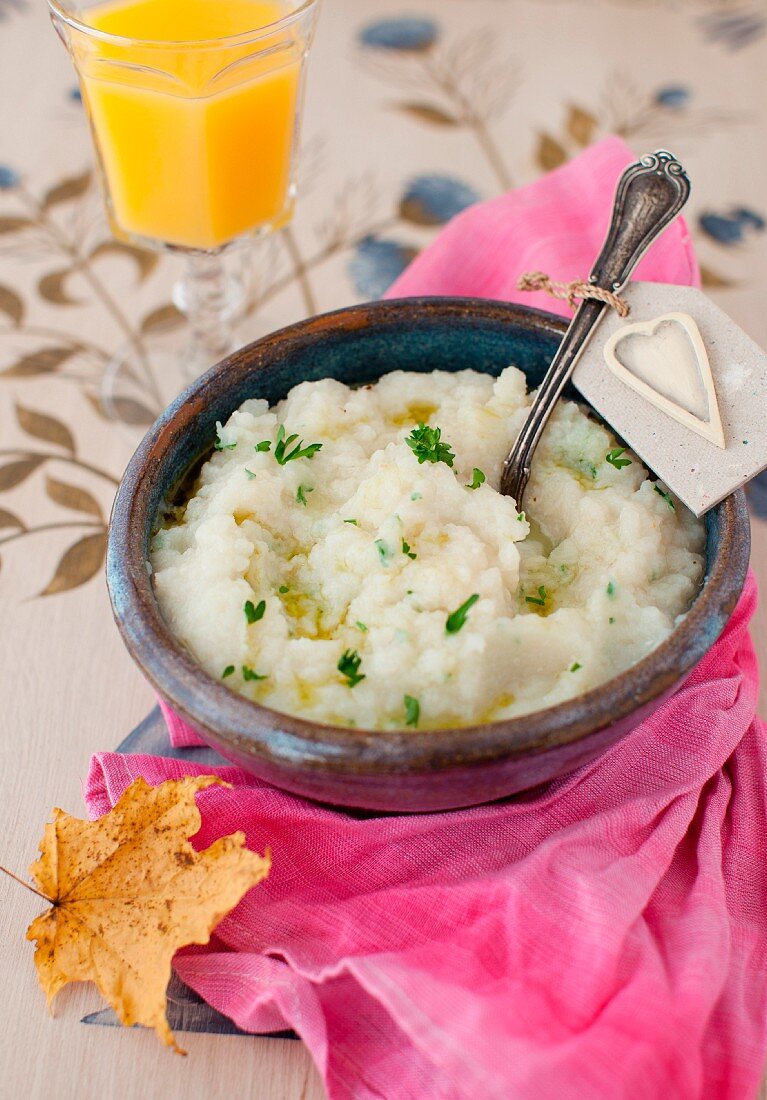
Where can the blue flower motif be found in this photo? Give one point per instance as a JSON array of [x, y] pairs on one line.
[[407, 33], [435, 199], [730, 227], [756, 493], [376, 264], [9, 177], [673, 97], [75, 94]]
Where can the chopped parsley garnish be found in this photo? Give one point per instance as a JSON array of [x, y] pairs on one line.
[[281, 447], [416, 496], [254, 612], [412, 710], [610, 589], [301, 492], [250, 674], [227, 671], [614, 458], [407, 551], [361, 626], [353, 522], [611, 620], [666, 497], [219, 446], [249, 474], [283, 588], [540, 599], [521, 517], [264, 445], [348, 665], [427, 446], [477, 479], [383, 551], [575, 666], [457, 618]]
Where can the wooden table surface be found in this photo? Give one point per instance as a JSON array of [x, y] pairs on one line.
[[470, 97]]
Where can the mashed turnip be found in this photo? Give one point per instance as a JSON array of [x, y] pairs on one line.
[[339, 584]]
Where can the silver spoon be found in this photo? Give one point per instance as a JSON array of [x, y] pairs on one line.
[[650, 194]]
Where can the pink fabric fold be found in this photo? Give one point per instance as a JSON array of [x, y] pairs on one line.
[[605, 937]]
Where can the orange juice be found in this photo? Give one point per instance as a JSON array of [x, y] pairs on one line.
[[194, 128]]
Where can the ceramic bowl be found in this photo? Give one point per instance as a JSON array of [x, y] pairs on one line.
[[373, 769]]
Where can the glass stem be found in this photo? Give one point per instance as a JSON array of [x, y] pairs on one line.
[[209, 297]]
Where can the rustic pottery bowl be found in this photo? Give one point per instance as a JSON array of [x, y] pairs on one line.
[[373, 769]]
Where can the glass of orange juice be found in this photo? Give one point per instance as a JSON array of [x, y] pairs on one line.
[[194, 108]]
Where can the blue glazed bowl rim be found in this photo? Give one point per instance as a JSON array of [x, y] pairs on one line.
[[248, 728]]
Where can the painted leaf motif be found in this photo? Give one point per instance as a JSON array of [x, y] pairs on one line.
[[162, 319], [129, 890], [80, 563], [145, 260], [52, 287], [73, 497], [581, 125], [425, 112], [44, 361], [11, 304], [9, 224], [71, 188], [8, 519], [549, 153], [713, 279], [45, 427], [14, 473], [128, 410]]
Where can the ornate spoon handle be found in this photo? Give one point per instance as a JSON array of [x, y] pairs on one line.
[[650, 194]]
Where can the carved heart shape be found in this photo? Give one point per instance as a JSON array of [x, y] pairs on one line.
[[665, 361]]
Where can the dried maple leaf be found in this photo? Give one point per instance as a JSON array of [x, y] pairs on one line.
[[128, 890]]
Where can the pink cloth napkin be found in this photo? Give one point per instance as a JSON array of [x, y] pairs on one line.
[[606, 937]]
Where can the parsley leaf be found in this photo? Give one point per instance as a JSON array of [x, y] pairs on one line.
[[264, 445], [227, 671], [416, 496], [412, 710], [611, 620], [383, 551], [219, 446], [301, 492], [254, 612], [348, 665], [610, 589], [540, 599], [249, 674], [477, 479], [427, 446], [407, 551], [666, 497], [353, 522], [283, 588], [361, 626], [614, 458], [457, 618], [575, 666], [249, 474], [281, 447]]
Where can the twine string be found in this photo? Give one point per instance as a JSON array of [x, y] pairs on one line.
[[571, 292]]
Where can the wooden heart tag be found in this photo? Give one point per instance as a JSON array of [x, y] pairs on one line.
[[665, 361]]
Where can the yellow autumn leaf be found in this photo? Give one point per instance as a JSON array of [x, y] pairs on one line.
[[129, 890]]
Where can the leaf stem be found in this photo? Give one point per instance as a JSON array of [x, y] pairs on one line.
[[81, 264], [300, 269], [51, 527], [23, 883], [20, 452]]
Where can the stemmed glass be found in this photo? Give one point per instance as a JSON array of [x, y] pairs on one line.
[[196, 139]]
